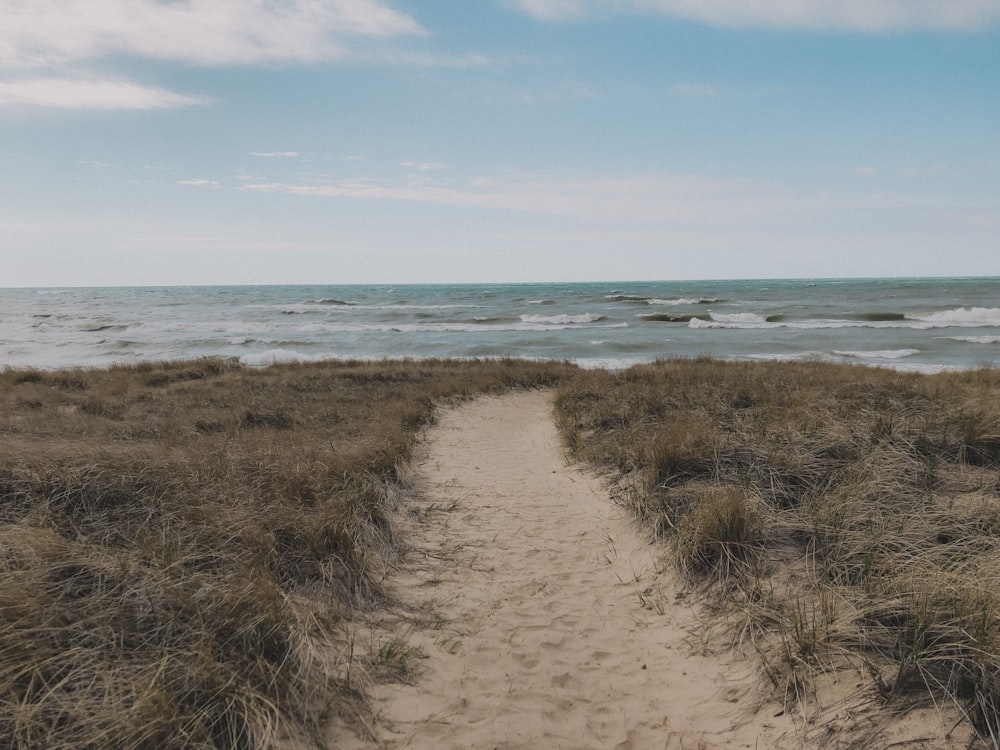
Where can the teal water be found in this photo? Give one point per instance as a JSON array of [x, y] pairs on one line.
[[920, 324]]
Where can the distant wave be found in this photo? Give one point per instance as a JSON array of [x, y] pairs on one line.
[[880, 317], [307, 308], [541, 301], [975, 317], [748, 321], [778, 321], [745, 318], [107, 327], [658, 301], [684, 301], [562, 319], [320, 306], [408, 306], [961, 316], [335, 302], [975, 339], [667, 317], [879, 354], [556, 323], [625, 298]]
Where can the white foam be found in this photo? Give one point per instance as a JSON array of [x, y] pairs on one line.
[[472, 327], [738, 320], [747, 318], [804, 325], [975, 339], [681, 301], [961, 316], [879, 354], [786, 357], [562, 319]]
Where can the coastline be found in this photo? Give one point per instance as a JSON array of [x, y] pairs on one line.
[[926, 325]]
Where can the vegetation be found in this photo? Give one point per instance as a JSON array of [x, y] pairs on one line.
[[178, 542], [851, 515]]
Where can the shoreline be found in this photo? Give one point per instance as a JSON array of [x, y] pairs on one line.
[[930, 324]]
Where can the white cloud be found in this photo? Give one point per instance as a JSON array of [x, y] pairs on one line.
[[556, 10], [198, 183], [69, 93], [652, 198], [275, 154], [424, 60], [46, 33], [854, 15], [674, 205]]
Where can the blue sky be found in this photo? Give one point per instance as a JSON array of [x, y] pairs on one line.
[[370, 141]]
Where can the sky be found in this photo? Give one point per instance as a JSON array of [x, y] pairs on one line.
[[161, 142]]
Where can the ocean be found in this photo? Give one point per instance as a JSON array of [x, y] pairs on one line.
[[928, 325]]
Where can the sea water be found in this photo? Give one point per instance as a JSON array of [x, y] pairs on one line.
[[920, 324]]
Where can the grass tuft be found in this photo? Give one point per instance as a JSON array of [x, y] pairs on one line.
[[852, 514]]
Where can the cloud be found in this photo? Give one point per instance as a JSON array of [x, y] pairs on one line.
[[198, 183], [670, 205], [424, 60], [275, 154], [555, 10], [642, 198], [49, 33], [70, 93], [871, 16]]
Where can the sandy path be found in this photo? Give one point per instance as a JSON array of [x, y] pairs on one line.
[[542, 620], [545, 639]]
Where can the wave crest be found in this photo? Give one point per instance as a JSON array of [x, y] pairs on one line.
[[562, 319]]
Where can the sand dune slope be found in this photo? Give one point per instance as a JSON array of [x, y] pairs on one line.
[[541, 620]]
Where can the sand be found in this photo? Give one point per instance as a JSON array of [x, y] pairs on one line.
[[532, 614]]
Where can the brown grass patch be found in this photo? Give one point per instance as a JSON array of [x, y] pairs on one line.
[[179, 542], [852, 514]]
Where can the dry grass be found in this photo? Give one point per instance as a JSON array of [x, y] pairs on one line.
[[851, 514], [179, 541]]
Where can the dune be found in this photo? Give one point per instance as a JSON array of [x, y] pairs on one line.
[[532, 614]]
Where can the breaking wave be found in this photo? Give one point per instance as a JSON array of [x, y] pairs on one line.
[[562, 319]]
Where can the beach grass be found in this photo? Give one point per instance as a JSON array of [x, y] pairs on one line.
[[180, 542], [184, 545], [848, 517]]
